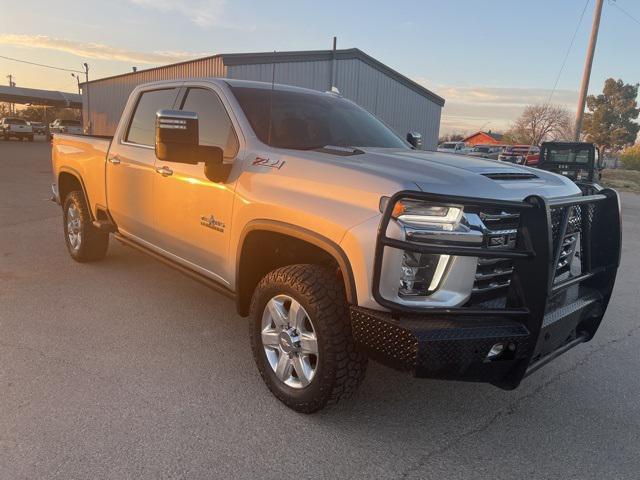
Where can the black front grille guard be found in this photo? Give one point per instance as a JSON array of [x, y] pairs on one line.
[[533, 281]]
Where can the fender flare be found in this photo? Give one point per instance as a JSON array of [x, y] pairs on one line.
[[300, 233], [76, 174]]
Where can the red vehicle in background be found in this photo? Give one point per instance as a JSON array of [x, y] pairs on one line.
[[521, 155]]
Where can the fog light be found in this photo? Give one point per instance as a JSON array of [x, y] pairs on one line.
[[421, 273], [495, 351]]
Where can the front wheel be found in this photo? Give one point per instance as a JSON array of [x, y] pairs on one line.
[[301, 338], [84, 241]]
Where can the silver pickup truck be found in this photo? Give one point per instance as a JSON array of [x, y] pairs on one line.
[[339, 240]]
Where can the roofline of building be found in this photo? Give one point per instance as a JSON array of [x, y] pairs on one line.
[[488, 134], [39, 97], [235, 59]]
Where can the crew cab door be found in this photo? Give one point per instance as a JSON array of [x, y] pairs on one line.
[[193, 213], [131, 166]]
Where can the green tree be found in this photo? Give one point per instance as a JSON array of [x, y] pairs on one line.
[[610, 120], [630, 157]]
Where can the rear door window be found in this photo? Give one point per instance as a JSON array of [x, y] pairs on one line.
[[142, 129]]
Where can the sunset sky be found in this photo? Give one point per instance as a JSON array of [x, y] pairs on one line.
[[487, 59]]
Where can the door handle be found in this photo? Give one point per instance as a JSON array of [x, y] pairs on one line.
[[164, 171], [114, 160]]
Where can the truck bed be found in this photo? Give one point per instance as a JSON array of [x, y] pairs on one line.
[[85, 156]]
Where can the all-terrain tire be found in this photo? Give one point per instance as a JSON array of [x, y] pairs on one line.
[[340, 366], [93, 243]]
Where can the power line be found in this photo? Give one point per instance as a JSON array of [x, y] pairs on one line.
[[40, 64], [612, 2], [566, 55]]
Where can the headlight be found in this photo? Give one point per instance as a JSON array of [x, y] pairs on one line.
[[421, 273], [421, 214], [426, 222]]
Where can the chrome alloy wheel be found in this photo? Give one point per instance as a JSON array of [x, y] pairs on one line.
[[289, 341], [74, 224]]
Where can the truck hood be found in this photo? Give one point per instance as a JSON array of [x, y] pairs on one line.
[[451, 174]]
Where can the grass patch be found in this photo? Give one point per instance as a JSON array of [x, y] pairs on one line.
[[620, 179]]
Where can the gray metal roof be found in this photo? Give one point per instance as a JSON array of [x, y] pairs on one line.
[[234, 59], [50, 98]]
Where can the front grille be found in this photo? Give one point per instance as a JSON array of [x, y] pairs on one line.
[[566, 229], [493, 275]]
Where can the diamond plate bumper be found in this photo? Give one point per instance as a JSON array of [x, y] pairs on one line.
[[456, 348]]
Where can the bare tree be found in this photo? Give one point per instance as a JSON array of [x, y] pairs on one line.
[[451, 137], [539, 123]]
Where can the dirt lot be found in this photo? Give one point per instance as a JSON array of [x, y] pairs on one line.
[[126, 369]]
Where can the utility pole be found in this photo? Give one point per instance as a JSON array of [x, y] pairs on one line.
[[77, 77], [12, 106], [86, 89], [586, 74]]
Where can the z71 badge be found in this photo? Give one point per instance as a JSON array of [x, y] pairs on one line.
[[266, 162], [211, 222]]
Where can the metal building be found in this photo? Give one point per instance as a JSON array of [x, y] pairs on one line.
[[400, 102]]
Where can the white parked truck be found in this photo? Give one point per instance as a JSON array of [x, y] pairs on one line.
[[339, 240], [12, 127], [66, 126]]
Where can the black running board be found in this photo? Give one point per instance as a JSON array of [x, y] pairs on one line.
[[212, 284]]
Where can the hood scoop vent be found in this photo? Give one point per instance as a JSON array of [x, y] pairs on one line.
[[510, 176]]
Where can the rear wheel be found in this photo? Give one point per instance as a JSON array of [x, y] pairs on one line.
[[84, 241], [301, 338]]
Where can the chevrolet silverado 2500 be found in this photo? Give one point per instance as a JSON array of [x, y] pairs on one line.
[[339, 240]]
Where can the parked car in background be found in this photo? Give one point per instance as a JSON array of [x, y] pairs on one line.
[[38, 128], [72, 127], [579, 161], [452, 147], [520, 154], [486, 151], [16, 128]]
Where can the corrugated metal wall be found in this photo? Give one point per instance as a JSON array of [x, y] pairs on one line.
[[109, 96], [315, 75], [401, 107]]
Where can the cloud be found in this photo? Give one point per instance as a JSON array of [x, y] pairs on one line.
[[96, 50], [473, 108], [204, 13]]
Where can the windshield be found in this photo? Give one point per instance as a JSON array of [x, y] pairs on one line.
[[482, 149], [70, 123], [307, 121], [16, 121], [567, 155], [449, 145]]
